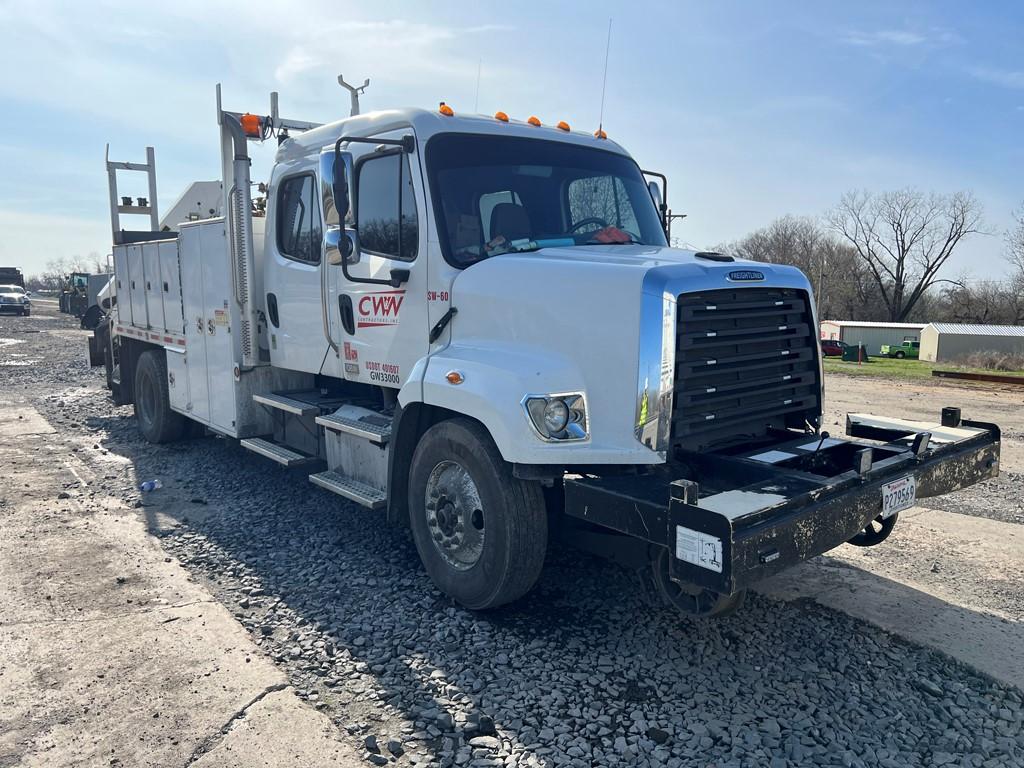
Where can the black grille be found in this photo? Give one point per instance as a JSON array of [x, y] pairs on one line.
[[746, 363]]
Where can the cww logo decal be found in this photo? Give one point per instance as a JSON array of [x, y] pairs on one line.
[[379, 309]]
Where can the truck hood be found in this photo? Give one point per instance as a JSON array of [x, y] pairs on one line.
[[628, 259], [577, 320]]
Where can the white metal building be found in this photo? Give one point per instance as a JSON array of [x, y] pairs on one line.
[[952, 342], [872, 335]]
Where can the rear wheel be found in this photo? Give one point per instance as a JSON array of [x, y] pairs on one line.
[[481, 533], [157, 422]]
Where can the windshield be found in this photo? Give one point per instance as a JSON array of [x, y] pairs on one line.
[[11, 289], [496, 194]]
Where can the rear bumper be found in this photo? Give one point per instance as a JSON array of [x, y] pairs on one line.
[[731, 521]]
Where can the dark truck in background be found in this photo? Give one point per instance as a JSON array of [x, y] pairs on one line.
[[11, 276]]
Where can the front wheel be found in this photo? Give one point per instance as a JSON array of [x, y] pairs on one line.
[[481, 533], [900, 355]]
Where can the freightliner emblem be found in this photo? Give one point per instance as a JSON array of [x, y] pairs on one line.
[[746, 274]]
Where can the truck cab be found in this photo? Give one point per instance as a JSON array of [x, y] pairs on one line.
[[476, 326]]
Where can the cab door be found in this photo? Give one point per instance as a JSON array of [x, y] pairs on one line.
[[291, 277], [381, 327]]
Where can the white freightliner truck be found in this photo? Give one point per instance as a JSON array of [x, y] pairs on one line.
[[475, 326]]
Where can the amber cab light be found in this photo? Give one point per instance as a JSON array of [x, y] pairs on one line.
[[600, 134], [251, 126], [445, 110], [501, 116], [534, 120], [563, 126]]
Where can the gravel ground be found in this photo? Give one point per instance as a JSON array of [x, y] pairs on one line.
[[579, 673], [1001, 499]]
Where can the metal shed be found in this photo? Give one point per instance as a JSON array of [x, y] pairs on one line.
[[872, 335], [952, 342]]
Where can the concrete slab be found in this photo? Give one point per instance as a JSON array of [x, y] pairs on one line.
[[945, 581], [18, 422], [110, 655]]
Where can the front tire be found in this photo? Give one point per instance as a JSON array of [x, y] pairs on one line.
[[480, 532], [157, 422], [900, 355]]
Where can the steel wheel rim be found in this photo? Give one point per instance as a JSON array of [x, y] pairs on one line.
[[455, 515]]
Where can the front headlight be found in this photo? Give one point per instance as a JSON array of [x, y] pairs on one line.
[[558, 417]]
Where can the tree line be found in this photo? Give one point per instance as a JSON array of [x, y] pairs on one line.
[[884, 256]]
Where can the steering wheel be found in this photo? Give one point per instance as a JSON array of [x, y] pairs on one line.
[[601, 223]]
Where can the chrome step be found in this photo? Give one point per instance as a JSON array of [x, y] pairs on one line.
[[360, 422], [283, 455], [358, 492], [286, 404]]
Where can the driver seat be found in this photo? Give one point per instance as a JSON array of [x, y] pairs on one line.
[[512, 221]]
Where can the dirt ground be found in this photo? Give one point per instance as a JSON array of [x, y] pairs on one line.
[[241, 617]]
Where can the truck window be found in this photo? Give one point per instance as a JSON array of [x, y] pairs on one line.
[[378, 219], [506, 194], [299, 232], [600, 198]]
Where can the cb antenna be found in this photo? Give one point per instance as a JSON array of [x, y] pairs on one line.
[[354, 92], [604, 80]]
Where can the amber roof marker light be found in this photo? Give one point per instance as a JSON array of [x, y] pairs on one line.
[[534, 120], [499, 115], [445, 110], [563, 126]]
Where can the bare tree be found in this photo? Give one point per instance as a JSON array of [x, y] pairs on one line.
[[904, 238], [840, 283], [1015, 245]]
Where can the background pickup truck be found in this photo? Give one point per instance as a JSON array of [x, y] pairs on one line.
[[909, 349]]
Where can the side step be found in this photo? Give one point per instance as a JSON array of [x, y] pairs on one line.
[[286, 404], [284, 456], [361, 493], [361, 422]]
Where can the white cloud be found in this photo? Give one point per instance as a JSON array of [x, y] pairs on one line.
[[900, 38], [1007, 78]]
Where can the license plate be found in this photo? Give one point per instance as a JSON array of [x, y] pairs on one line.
[[898, 495]]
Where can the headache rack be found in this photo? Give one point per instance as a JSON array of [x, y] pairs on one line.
[[746, 364]]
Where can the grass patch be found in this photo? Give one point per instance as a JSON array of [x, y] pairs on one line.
[[888, 367]]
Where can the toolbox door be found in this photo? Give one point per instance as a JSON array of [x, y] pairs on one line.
[[195, 325], [137, 287], [170, 286], [154, 296]]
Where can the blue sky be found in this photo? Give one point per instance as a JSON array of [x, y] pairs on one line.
[[754, 110]]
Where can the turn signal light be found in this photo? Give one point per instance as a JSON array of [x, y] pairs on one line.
[[534, 120], [251, 126], [501, 116], [600, 134], [562, 125], [455, 377], [445, 110]]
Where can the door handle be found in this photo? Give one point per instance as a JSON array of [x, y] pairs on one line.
[[272, 310], [348, 317]]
